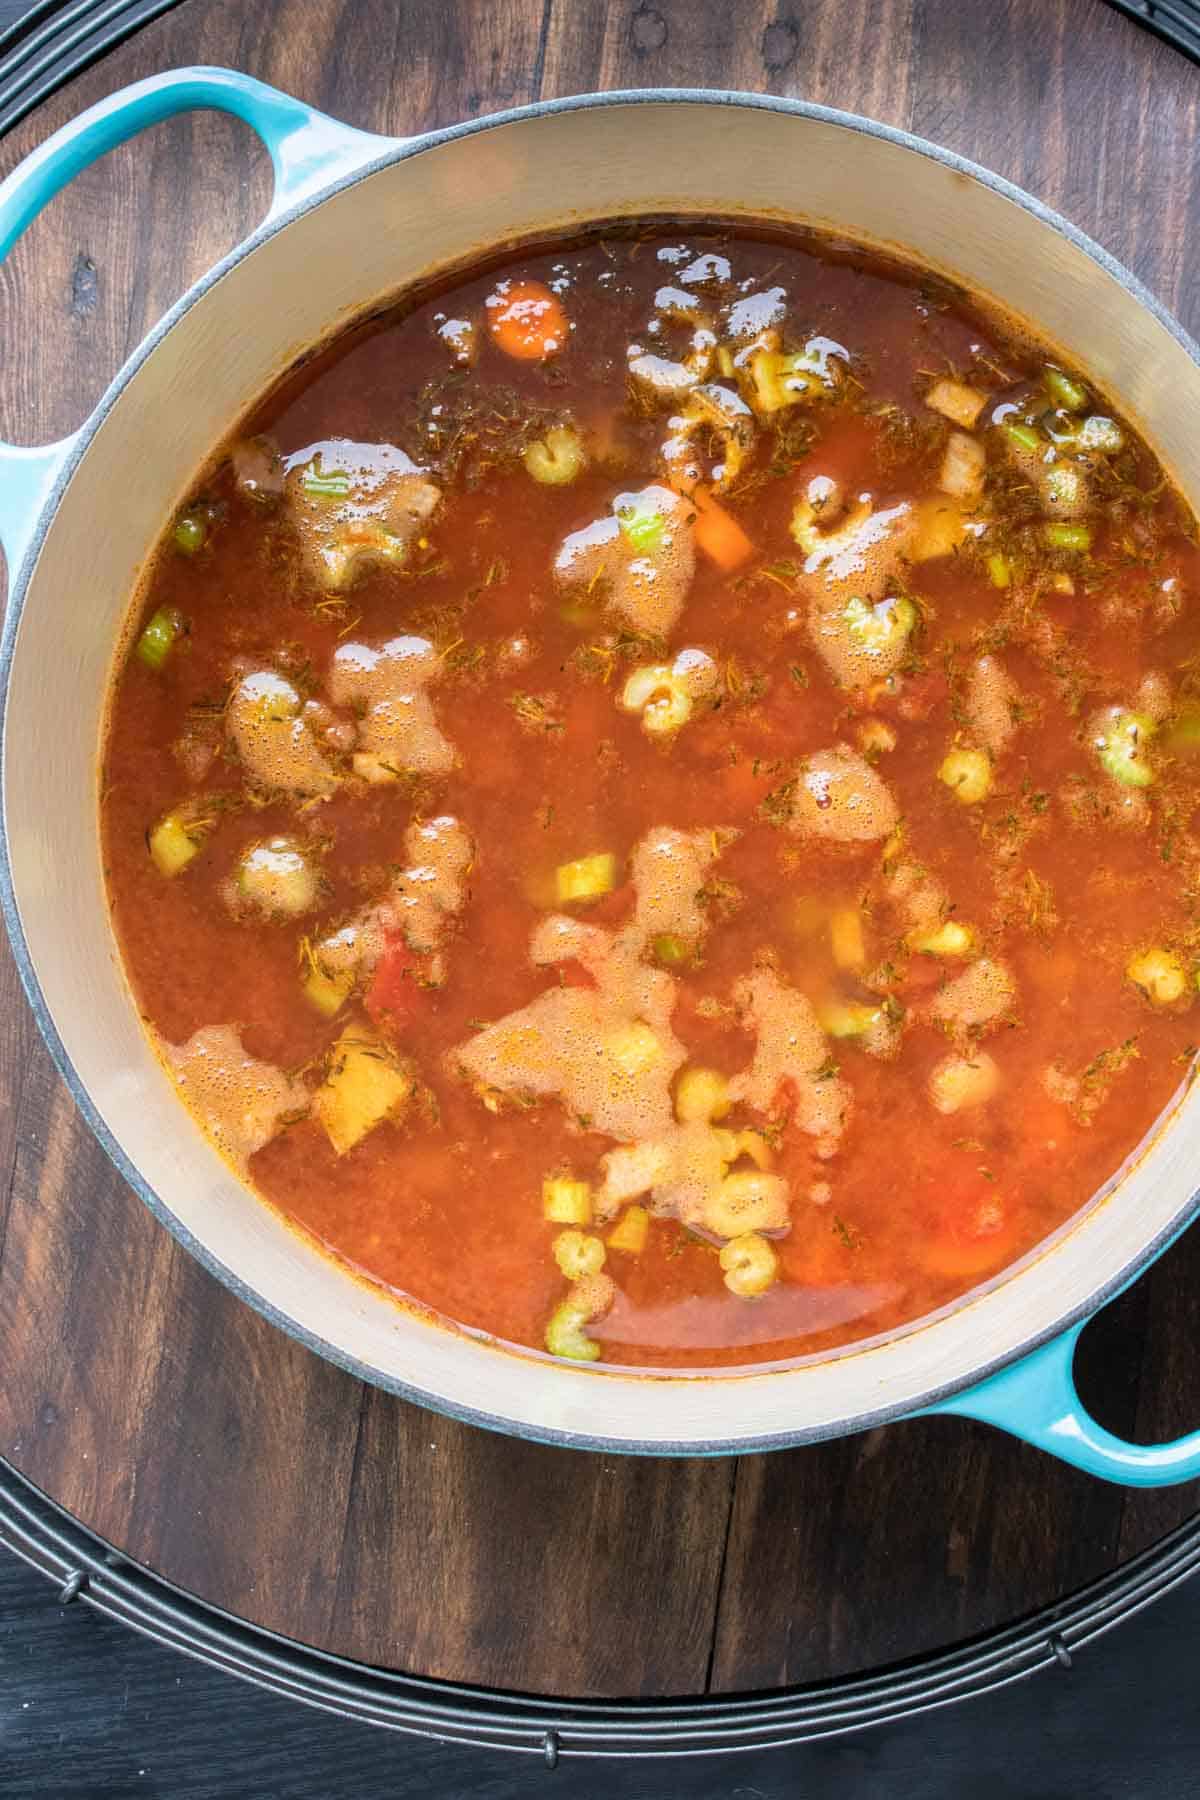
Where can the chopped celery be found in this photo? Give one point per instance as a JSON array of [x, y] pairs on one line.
[[577, 1254], [158, 637], [673, 952], [660, 696], [746, 1200], [191, 532], [566, 1201], [320, 483], [1159, 975], [701, 1094], [750, 1265], [1100, 433], [555, 459], [1061, 536], [565, 1334], [1023, 436], [642, 525], [999, 570], [1063, 391], [586, 879], [174, 841], [1120, 742], [631, 1231], [968, 774], [881, 626], [364, 1086]]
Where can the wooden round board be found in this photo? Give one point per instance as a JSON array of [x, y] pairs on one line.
[[200, 1441]]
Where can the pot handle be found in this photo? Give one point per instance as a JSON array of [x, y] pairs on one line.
[[307, 150], [1036, 1399]]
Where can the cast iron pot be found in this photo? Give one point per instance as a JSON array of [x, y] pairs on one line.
[[354, 218]]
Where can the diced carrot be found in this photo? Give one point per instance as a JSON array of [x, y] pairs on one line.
[[394, 990], [976, 1236], [526, 320], [718, 533]]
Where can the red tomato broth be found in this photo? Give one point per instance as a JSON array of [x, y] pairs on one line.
[[445, 1206]]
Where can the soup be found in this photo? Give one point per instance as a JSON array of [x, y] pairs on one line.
[[647, 802]]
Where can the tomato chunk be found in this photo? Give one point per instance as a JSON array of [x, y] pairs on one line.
[[395, 991]]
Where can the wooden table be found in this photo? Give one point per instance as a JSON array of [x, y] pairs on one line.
[[197, 1439]]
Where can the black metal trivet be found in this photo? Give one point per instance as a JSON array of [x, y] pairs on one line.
[[54, 40], [1178, 21], [83, 1568]]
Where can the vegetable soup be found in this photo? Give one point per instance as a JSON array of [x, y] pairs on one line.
[[648, 797]]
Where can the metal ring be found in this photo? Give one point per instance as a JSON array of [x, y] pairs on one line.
[[50, 1541]]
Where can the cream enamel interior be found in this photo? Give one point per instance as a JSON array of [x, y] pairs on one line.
[[430, 208]]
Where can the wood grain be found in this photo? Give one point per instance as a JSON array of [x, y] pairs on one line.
[[198, 1439]]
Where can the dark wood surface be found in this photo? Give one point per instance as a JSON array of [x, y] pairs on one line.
[[199, 1440]]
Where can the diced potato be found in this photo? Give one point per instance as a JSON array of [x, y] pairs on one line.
[[634, 1048], [938, 530], [960, 1082], [846, 938], [365, 1085], [747, 1142], [963, 466], [848, 1018], [956, 401], [630, 1231], [277, 877], [950, 939], [750, 1265], [586, 879], [566, 1201], [372, 767], [701, 1094], [633, 1169], [328, 993], [174, 841]]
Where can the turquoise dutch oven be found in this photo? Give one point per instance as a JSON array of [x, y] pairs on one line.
[[354, 218]]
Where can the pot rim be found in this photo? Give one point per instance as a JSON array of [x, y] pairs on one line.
[[397, 151]]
